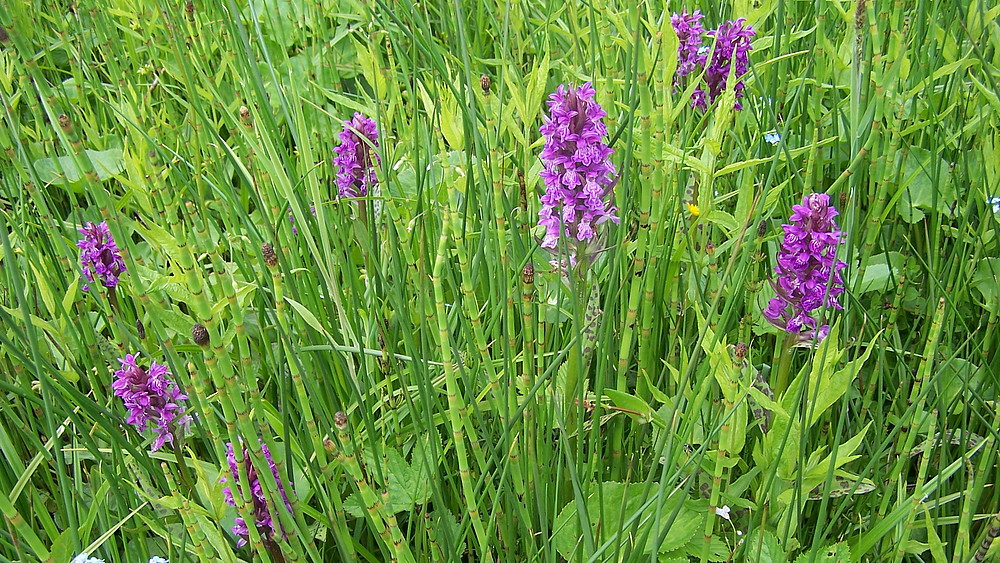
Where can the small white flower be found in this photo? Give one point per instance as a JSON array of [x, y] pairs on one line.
[[772, 137], [157, 559], [85, 558], [722, 511]]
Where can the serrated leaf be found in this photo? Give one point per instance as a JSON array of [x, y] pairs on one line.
[[762, 547]]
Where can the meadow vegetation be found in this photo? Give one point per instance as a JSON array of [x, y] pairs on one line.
[[296, 281]]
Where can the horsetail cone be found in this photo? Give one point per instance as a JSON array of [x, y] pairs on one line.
[[270, 256], [200, 334], [340, 420]]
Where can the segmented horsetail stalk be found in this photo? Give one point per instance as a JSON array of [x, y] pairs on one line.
[[458, 417], [202, 546], [916, 399], [286, 331], [376, 510]]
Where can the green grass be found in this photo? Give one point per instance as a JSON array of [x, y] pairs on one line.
[[477, 427]]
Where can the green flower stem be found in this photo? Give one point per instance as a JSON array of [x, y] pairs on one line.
[[784, 361]]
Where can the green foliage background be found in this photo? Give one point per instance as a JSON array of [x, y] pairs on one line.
[[429, 317]]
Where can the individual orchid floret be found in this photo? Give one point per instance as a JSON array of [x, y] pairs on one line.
[[808, 270], [357, 157], [578, 173]]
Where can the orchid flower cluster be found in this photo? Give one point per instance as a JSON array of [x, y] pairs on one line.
[[357, 157], [152, 399], [730, 54], [578, 173], [264, 520], [100, 258], [808, 270]]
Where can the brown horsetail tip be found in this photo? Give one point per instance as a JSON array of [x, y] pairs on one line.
[[3, 35], [710, 248], [528, 274], [245, 115], [762, 228], [140, 328], [64, 123], [189, 9], [200, 334], [485, 82], [340, 420], [741, 351], [270, 257]]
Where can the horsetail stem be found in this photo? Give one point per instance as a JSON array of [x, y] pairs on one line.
[[457, 415]]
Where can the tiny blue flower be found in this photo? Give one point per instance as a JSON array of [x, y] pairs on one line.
[[157, 559], [995, 202], [84, 558], [772, 137]]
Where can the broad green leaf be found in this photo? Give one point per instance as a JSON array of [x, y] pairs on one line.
[[762, 547], [881, 272], [45, 291], [306, 315], [927, 185], [986, 280], [832, 386], [631, 405], [933, 539], [106, 164], [815, 472], [733, 436], [612, 507]]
